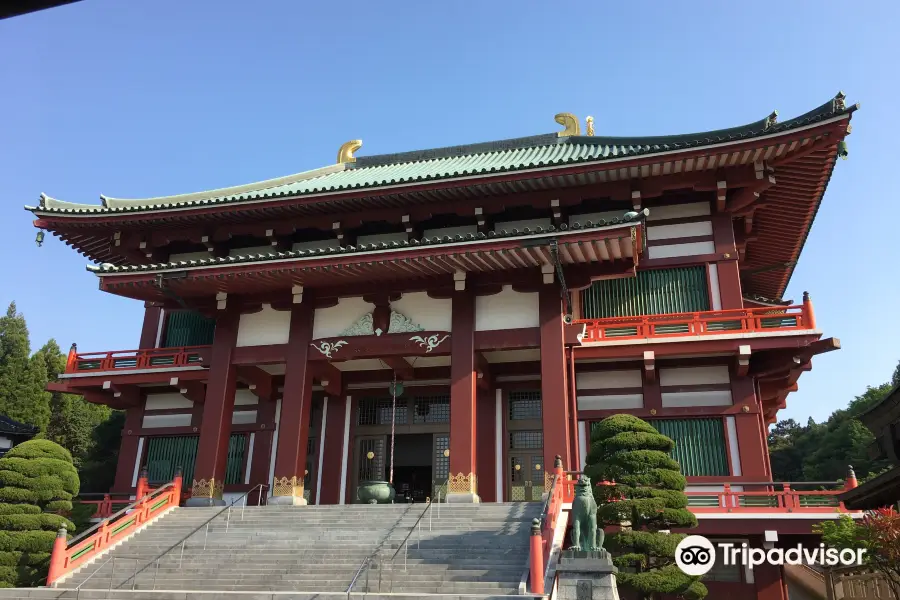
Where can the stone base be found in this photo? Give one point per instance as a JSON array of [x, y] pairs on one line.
[[195, 502], [462, 498], [288, 501], [586, 576]]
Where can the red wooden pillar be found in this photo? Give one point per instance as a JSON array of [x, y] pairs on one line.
[[215, 429], [554, 406], [128, 450], [150, 328], [487, 445], [769, 582], [750, 432], [334, 450], [729, 275], [262, 450], [463, 486], [293, 433]]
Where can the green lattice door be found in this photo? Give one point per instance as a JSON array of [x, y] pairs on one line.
[[654, 292], [526, 477], [441, 466], [186, 328]]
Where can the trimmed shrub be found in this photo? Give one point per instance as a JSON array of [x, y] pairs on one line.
[[37, 484], [647, 498]]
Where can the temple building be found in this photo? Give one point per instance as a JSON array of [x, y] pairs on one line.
[[461, 316]]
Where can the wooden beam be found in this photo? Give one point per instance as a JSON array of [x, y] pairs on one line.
[[650, 365], [329, 376], [259, 380], [195, 391], [483, 372], [400, 366]]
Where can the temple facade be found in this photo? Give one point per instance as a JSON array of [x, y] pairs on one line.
[[454, 319]]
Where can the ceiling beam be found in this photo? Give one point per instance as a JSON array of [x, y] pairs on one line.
[[329, 376], [400, 366], [259, 381]]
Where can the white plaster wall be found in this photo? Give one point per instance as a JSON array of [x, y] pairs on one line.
[[507, 310], [330, 322], [693, 375], [153, 421], [245, 398], [451, 231], [608, 379], [681, 230], [189, 256], [596, 217], [612, 401], [382, 238], [251, 250], [167, 401], [5, 442], [715, 293], [317, 245], [521, 225], [679, 211], [712, 398], [268, 326], [672, 250], [433, 314], [243, 417]]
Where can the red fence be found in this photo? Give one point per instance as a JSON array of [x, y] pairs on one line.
[[125, 360], [707, 323], [68, 556]]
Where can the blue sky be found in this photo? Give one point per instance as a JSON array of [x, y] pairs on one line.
[[150, 97]]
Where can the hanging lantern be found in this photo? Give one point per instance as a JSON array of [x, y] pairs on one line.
[[39, 240], [396, 388]]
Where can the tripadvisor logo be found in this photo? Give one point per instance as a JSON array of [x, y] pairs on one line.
[[696, 555]]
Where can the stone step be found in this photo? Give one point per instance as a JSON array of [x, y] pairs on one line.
[[102, 594]]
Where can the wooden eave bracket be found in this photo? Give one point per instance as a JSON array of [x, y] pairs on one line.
[[721, 194], [636, 199], [400, 366], [459, 281], [258, 380], [650, 365], [548, 272], [749, 195], [221, 300], [742, 360], [296, 294], [329, 377], [109, 386], [483, 372], [195, 391]]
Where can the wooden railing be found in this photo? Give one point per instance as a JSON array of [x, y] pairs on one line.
[[766, 498], [858, 583], [125, 360], [544, 529], [104, 504], [70, 555], [700, 324]]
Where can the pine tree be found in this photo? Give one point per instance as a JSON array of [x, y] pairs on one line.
[[23, 378], [72, 419], [648, 498]]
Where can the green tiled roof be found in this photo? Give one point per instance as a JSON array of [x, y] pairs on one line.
[[629, 217], [541, 151]]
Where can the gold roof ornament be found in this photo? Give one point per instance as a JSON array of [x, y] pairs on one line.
[[570, 122], [590, 126], [345, 154]]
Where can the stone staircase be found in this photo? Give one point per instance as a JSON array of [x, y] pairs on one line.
[[469, 550]]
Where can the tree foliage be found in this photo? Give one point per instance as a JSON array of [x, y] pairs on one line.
[[22, 377], [878, 534], [823, 451], [648, 497], [37, 484]]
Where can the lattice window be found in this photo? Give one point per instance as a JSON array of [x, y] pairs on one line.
[[516, 475], [432, 409], [377, 411], [441, 462], [526, 440], [524, 405], [371, 469]]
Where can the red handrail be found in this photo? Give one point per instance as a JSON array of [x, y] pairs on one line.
[[105, 506], [542, 542], [125, 360], [69, 555], [711, 322]]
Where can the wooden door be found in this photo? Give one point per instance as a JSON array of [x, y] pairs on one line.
[[440, 466], [526, 476]]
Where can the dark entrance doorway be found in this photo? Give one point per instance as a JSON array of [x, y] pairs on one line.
[[413, 466]]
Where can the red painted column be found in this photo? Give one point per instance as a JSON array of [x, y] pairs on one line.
[[333, 454], [293, 434], [262, 450], [463, 486], [727, 265], [553, 381], [486, 445], [150, 328], [769, 582], [750, 434], [128, 450], [215, 428]]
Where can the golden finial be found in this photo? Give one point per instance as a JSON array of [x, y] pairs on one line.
[[590, 126], [570, 122], [345, 154]]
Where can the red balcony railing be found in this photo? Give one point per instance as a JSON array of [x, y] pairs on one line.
[[105, 505], [712, 322], [764, 497], [125, 360]]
